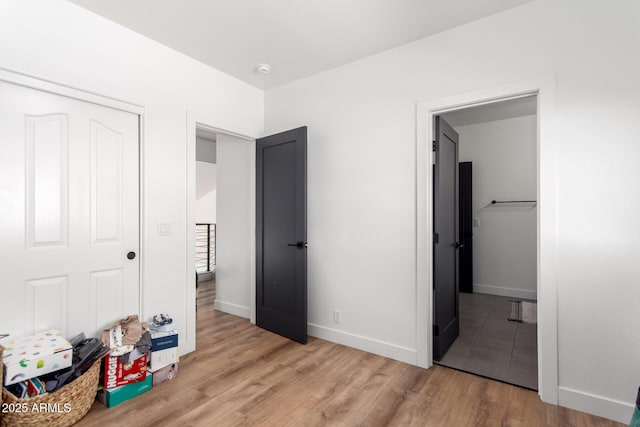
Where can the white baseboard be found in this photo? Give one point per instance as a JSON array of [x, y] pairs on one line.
[[595, 405], [235, 309], [504, 292], [381, 348]]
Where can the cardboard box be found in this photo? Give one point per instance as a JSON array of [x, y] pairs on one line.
[[117, 395], [162, 358], [162, 340], [35, 355], [165, 374], [116, 373]]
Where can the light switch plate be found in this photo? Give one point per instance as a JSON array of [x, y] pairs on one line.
[[165, 228]]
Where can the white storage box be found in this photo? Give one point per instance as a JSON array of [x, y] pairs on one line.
[[160, 359], [35, 355]]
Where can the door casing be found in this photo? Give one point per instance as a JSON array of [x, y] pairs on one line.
[[544, 88]]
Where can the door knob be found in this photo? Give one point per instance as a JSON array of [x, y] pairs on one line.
[[459, 245], [299, 245], [131, 255]]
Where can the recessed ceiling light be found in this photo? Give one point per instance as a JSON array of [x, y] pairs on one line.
[[263, 68]]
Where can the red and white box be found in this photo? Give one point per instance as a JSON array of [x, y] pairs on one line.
[[117, 373]]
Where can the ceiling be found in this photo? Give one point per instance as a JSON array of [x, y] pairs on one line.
[[297, 38], [519, 107]]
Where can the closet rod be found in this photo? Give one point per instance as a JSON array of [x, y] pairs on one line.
[[495, 202]]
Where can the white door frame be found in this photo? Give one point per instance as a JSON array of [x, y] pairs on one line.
[[544, 88], [40, 83], [203, 121]]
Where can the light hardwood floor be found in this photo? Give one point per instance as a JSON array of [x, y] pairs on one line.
[[244, 375], [206, 294]]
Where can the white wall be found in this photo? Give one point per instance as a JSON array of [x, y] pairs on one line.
[[64, 43], [362, 224], [503, 156], [235, 225], [206, 184]]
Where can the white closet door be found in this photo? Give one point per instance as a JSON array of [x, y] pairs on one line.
[[69, 213]]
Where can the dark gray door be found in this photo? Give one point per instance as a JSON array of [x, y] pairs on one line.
[[281, 234], [445, 238]]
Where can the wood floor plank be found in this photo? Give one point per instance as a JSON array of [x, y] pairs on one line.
[[242, 375], [206, 294]]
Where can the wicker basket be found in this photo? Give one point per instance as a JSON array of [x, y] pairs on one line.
[[63, 407]]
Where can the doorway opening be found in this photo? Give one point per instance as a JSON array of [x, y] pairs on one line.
[[205, 227], [487, 298], [547, 241], [236, 229], [220, 247], [223, 223]]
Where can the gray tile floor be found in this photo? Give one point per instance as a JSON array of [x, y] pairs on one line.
[[490, 345]]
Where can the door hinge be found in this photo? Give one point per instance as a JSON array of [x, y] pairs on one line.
[[436, 331], [436, 238], [435, 145]]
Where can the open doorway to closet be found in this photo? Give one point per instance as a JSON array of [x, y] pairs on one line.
[[485, 189]]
